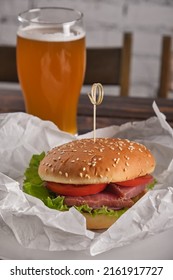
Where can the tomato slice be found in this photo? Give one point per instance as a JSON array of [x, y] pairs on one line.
[[137, 181], [75, 190]]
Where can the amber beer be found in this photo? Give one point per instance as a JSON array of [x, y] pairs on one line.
[[51, 70]]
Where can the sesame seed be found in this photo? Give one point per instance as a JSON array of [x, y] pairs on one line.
[[120, 143], [72, 160], [100, 175], [84, 168], [81, 174], [87, 176], [107, 169], [60, 172], [77, 159], [127, 164], [113, 165], [66, 174], [131, 148], [118, 159], [54, 159]]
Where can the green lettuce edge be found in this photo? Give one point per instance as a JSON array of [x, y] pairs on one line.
[[35, 186]]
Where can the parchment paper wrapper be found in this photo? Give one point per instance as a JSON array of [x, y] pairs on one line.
[[36, 226]]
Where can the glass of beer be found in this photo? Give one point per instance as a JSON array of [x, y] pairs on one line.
[[51, 58]]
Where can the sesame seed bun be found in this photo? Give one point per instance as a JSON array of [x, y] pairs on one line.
[[103, 161]]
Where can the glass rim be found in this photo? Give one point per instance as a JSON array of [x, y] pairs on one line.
[[22, 19]]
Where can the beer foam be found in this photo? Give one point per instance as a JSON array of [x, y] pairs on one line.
[[50, 34]]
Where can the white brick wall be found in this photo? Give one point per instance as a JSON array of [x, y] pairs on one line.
[[105, 21]]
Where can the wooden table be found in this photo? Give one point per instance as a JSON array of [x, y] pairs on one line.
[[113, 110]]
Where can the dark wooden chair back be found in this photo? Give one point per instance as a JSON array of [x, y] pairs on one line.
[[165, 67], [109, 66], [8, 70]]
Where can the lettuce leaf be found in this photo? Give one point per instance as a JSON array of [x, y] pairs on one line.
[[151, 185], [33, 185]]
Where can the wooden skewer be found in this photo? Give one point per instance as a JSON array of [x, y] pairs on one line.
[[96, 98]]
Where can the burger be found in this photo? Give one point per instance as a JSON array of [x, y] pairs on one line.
[[101, 178]]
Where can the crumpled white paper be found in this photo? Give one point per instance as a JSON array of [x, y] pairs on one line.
[[36, 226]]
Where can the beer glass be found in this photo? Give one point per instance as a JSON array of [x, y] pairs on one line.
[[51, 57]]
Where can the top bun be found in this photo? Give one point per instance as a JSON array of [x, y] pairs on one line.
[[103, 161]]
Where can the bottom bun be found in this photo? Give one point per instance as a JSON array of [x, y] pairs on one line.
[[100, 221]]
